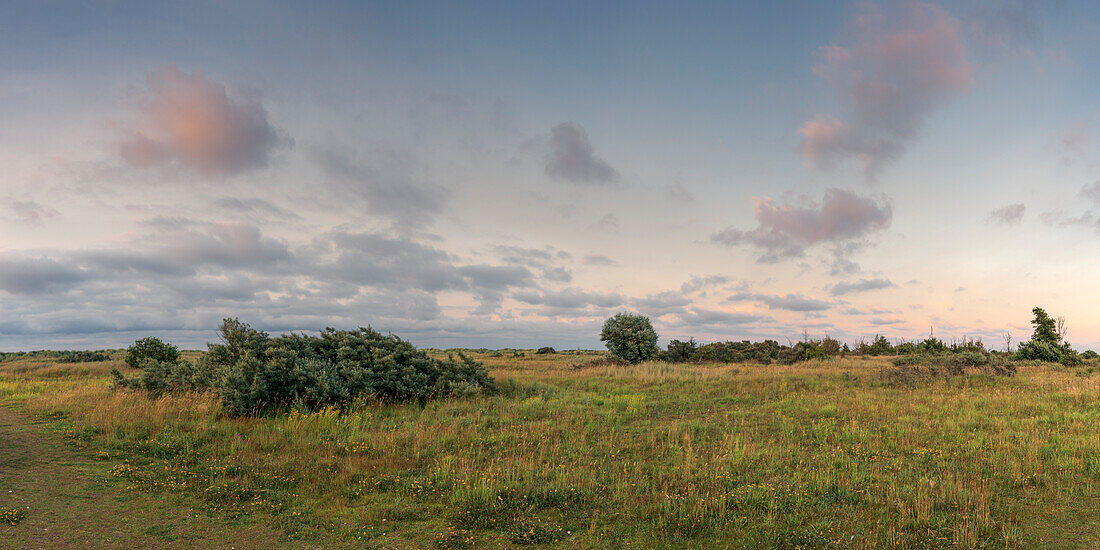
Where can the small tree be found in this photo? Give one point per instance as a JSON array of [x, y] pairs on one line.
[[151, 348], [630, 337], [1046, 329], [1046, 342]]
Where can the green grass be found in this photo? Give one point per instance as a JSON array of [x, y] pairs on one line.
[[816, 455]]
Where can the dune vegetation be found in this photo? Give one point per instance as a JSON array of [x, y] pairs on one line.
[[574, 450]]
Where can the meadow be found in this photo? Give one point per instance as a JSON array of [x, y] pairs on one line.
[[575, 452]]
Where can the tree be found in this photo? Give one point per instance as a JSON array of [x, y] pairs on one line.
[[151, 348], [1047, 342], [1046, 330], [630, 337]]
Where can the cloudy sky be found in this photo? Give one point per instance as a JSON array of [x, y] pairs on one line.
[[510, 174]]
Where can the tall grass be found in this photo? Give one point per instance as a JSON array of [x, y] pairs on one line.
[[824, 454]]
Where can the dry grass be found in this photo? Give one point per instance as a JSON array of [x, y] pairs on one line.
[[815, 455]]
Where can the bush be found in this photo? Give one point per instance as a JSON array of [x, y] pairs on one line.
[[253, 372], [1089, 355], [151, 348], [879, 346], [545, 351], [680, 351], [630, 337]]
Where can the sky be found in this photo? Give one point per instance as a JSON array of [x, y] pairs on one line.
[[510, 174]]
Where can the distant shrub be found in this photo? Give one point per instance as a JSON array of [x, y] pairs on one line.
[[253, 372], [791, 355], [630, 337], [910, 370], [545, 351], [151, 348], [1089, 355], [879, 346], [679, 351]]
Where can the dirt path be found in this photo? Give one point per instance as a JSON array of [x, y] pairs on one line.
[[67, 505]]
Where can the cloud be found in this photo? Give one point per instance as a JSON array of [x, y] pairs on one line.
[[713, 317], [855, 287], [597, 260], [894, 72], [661, 303], [785, 230], [1010, 215], [1061, 219], [254, 206], [191, 121], [787, 302], [1008, 28], [678, 193], [571, 157], [1075, 142], [571, 299], [24, 275], [609, 223], [697, 283], [30, 212], [1091, 192], [391, 184]]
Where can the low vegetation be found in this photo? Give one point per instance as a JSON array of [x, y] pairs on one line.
[[578, 449], [254, 373]]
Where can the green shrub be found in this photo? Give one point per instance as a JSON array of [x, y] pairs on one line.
[[1089, 355], [253, 372], [879, 346], [679, 351], [630, 337], [151, 348], [545, 351]]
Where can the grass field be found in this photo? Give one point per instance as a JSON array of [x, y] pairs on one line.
[[822, 454]]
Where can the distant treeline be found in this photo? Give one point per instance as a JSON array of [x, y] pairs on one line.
[[62, 356]]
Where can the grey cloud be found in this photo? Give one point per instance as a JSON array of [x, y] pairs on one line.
[[1007, 28], [191, 121], [661, 303], [785, 230], [608, 223], [544, 259], [494, 277], [379, 260], [1091, 192], [1061, 219], [701, 316], [597, 259], [390, 184], [30, 212], [788, 302], [23, 275], [862, 285], [795, 302], [254, 206], [570, 298], [697, 283], [1010, 215], [557, 274], [571, 157], [678, 193]]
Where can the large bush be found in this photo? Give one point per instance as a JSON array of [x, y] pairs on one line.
[[630, 337], [253, 372], [151, 348]]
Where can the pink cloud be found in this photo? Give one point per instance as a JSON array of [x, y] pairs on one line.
[[785, 230], [192, 121], [896, 70]]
